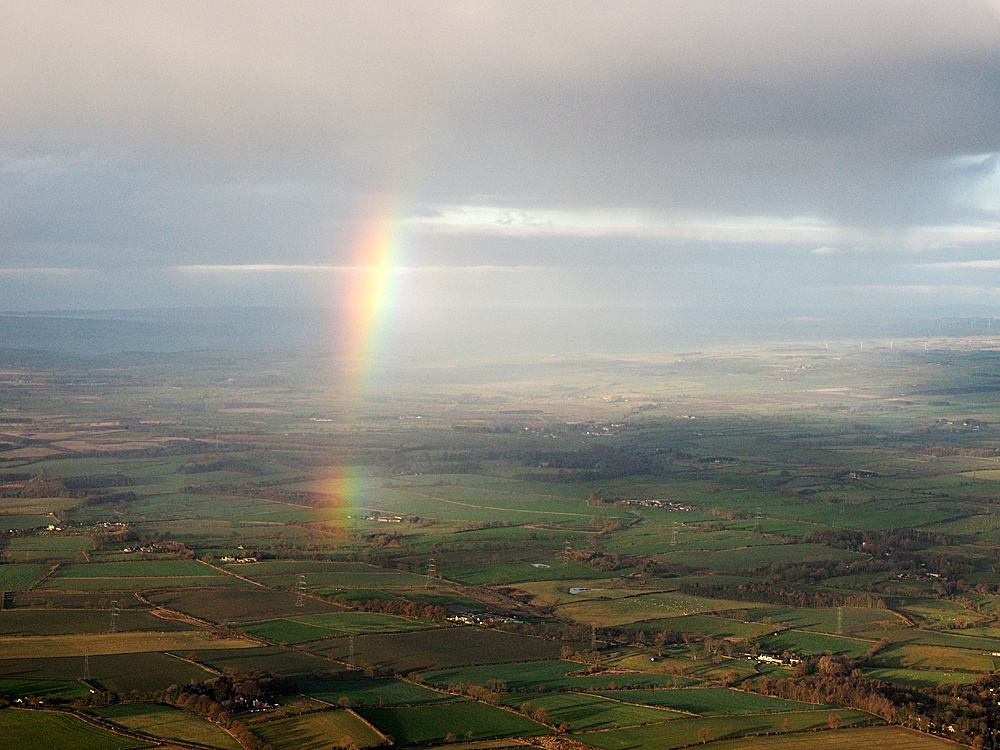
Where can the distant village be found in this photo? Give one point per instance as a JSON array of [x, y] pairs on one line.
[[379, 518], [664, 504]]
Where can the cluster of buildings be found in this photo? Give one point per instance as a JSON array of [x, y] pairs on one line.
[[770, 659], [665, 504], [172, 547], [482, 619]]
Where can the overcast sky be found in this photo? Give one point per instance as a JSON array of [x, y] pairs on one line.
[[676, 154]]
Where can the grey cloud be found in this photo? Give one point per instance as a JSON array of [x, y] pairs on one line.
[[152, 135]]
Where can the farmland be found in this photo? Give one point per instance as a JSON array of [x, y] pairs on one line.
[[110, 643], [445, 647], [685, 732], [317, 731], [584, 713], [316, 627], [170, 723], [119, 672], [708, 701], [875, 738], [362, 692], [34, 730], [540, 675], [652, 551], [472, 721]]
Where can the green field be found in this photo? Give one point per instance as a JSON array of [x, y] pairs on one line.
[[684, 732], [118, 585], [19, 576], [238, 605], [832, 620], [318, 731], [551, 675], [703, 625], [120, 672], [331, 581], [607, 613], [37, 730], [709, 701], [168, 722], [870, 738], [49, 543], [919, 656], [495, 574], [586, 713], [921, 677], [269, 568], [19, 688], [57, 621], [933, 612], [806, 642], [137, 569], [315, 627], [368, 692], [279, 661], [749, 558], [22, 521], [469, 720], [446, 647]]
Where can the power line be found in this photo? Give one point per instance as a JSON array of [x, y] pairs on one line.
[[115, 611], [431, 572]]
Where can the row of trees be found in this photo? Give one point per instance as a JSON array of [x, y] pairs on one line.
[[768, 593], [963, 712]]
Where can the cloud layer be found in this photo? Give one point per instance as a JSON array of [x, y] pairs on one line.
[[671, 152]]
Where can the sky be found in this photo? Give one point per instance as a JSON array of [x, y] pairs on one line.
[[627, 159]]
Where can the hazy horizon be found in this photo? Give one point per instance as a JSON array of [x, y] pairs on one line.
[[483, 332]]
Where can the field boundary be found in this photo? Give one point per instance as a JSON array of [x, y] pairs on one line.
[[911, 730], [229, 573], [108, 726], [45, 577]]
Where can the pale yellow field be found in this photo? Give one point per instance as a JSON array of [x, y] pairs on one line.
[[33, 646]]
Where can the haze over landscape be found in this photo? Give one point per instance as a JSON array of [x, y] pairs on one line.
[[481, 375], [631, 177]]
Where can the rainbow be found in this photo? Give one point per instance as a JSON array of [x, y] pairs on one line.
[[365, 329], [372, 290]]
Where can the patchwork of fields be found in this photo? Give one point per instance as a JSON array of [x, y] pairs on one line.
[[665, 552]]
